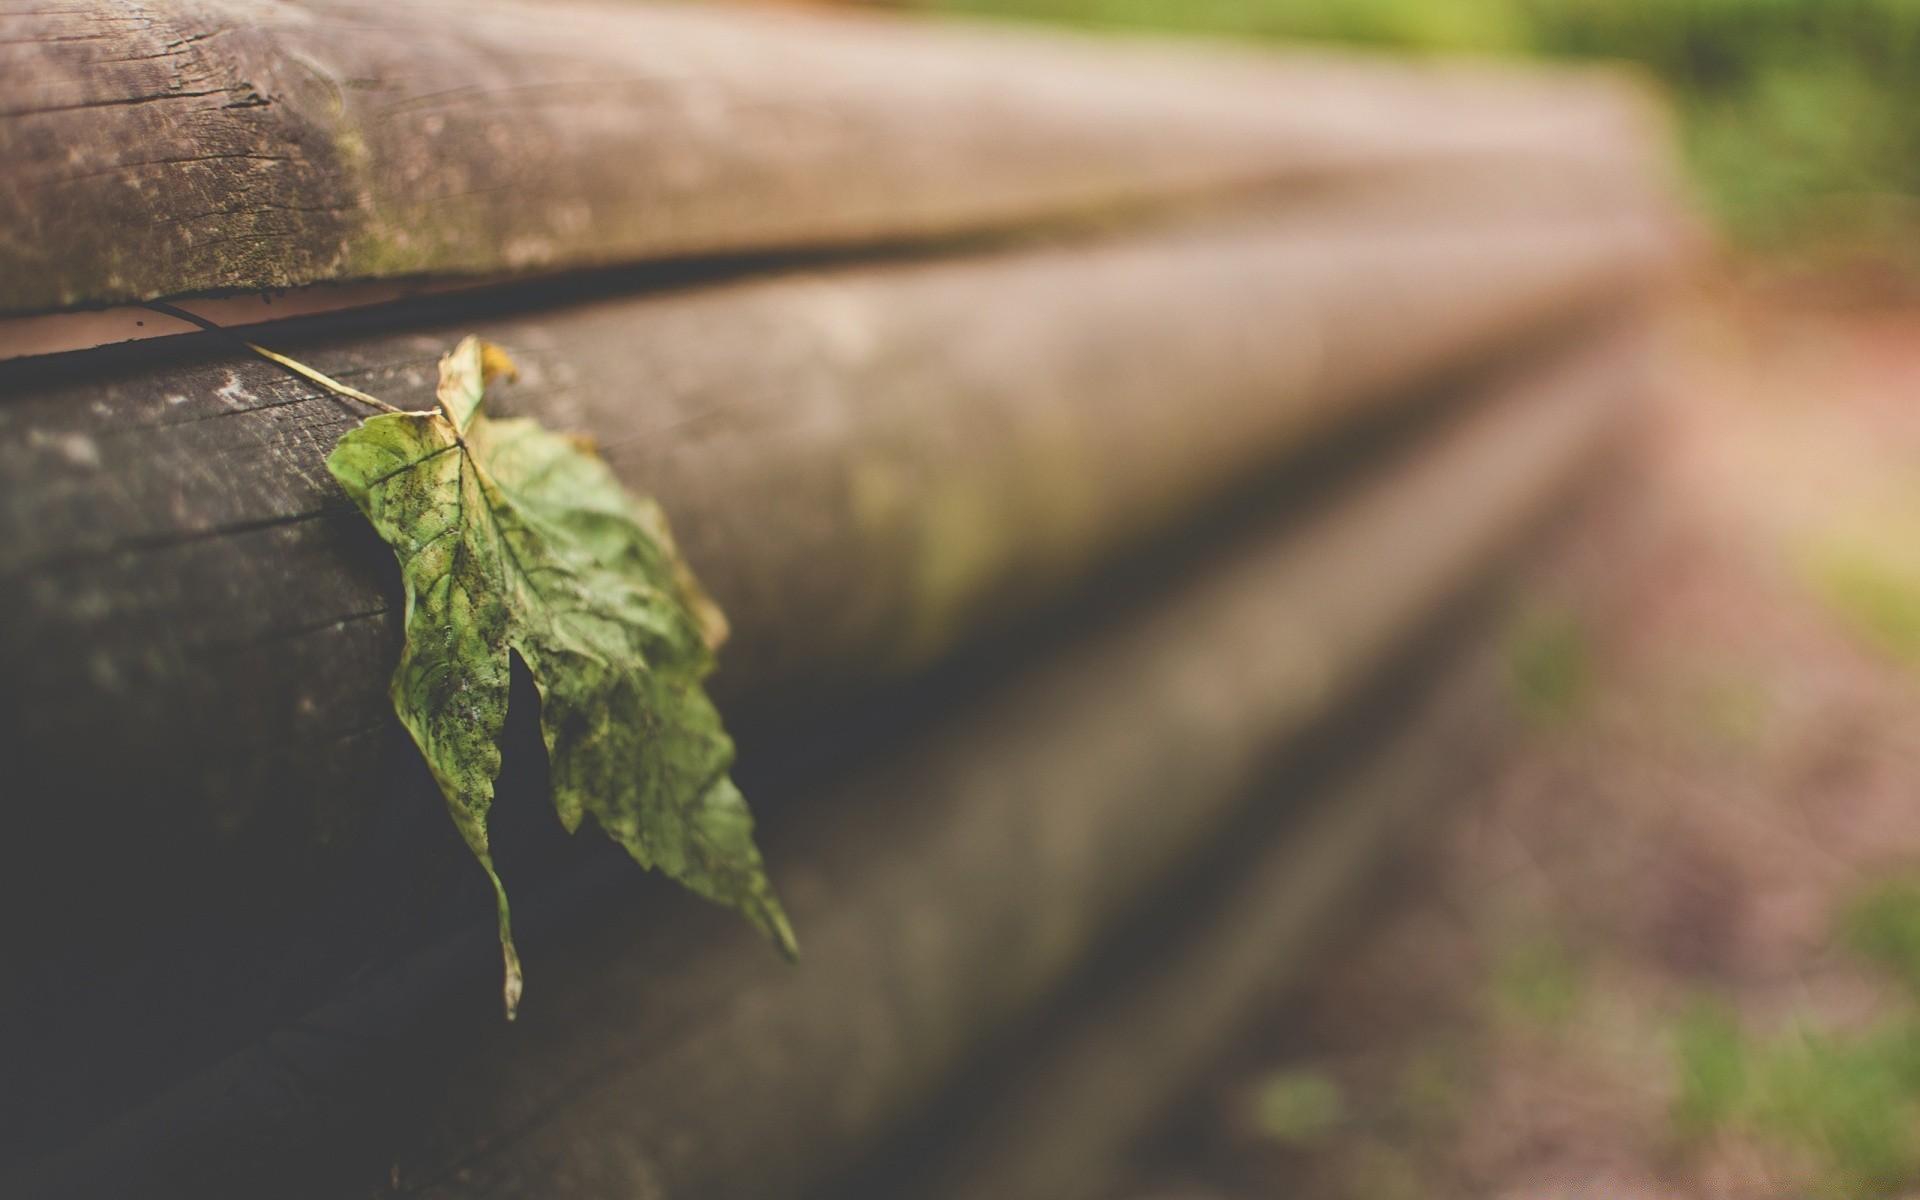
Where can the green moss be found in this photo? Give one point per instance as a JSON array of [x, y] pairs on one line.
[[964, 539]]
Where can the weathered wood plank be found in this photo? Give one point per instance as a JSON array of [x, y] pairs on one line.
[[185, 145], [945, 888]]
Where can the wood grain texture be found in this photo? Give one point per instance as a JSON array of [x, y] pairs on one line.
[[180, 146], [946, 887]]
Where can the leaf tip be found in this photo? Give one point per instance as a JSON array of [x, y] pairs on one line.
[[514, 980], [510, 990], [465, 372], [774, 920]]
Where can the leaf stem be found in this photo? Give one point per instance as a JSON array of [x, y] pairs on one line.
[[298, 368]]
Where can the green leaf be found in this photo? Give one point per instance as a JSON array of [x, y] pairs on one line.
[[516, 540]]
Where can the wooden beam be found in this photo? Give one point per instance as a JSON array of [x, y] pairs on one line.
[[183, 146]]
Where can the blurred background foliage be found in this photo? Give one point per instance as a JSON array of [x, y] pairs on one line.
[[1797, 114]]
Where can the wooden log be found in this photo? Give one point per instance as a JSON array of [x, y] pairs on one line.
[[944, 889], [1085, 1085], [192, 145], [864, 466]]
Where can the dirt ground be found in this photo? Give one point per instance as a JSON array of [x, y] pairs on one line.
[[1674, 949]]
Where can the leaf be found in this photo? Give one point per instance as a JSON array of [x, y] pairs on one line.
[[516, 540]]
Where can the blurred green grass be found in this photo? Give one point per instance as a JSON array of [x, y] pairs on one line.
[[1297, 1107], [1876, 598], [1849, 1099], [1796, 114], [1550, 666]]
